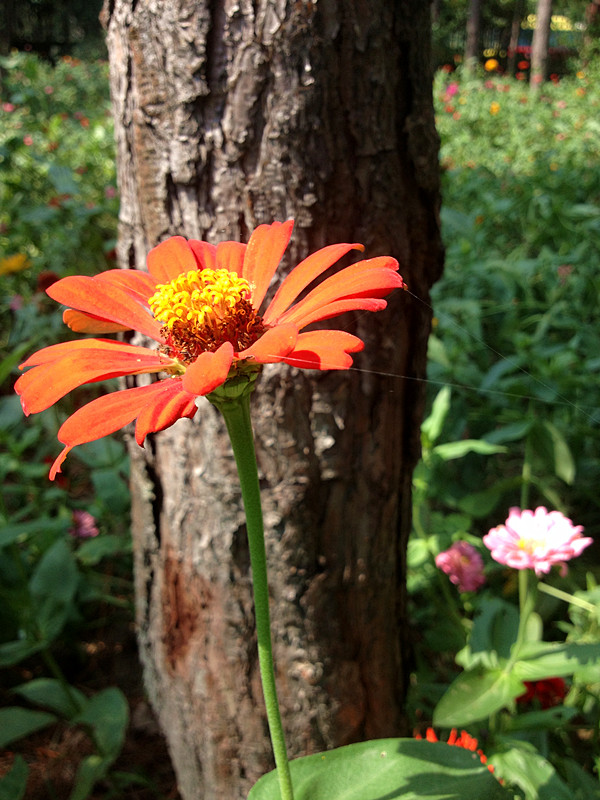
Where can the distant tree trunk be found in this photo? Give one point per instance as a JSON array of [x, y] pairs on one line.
[[539, 45], [515, 30], [228, 115], [473, 34]]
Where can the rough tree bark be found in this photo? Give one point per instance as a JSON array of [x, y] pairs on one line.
[[472, 53], [230, 113], [539, 44]]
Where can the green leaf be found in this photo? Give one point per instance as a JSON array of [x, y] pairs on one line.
[[52, 694], [94, 550], [432, 426], [546, 720], [17, 722], [14, 783], [53, 586], [564, 463], [107, 715], [387, 768], [452, 450], [91, 769], [540, 660], [13, 652], [23, 530], [475, 695], [493, 633], [532, 773], [7, 364]]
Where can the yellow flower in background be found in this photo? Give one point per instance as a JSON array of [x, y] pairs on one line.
[[491, 65], [16, 263], [580, 75], [494, 107]]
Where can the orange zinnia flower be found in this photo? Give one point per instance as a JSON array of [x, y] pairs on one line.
[[465, 740], [200, 303]]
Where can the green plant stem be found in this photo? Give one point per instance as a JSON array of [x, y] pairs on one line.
[[527, 597], [568, 598], [52, 665], [526, 472], [239, 426]]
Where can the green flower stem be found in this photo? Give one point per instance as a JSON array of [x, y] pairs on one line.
[[236, 412], [527, 597]]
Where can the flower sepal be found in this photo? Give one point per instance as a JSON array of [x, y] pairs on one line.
[[240, 383]]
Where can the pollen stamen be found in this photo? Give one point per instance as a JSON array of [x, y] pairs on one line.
[[202, 309]]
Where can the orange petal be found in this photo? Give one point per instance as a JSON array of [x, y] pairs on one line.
[[273, 345], [324, 350], [360, 282], [204, 252], [166, 408], [300, 277], [339, 307], [60, 368], [138, 284], [208, 371], [111, 412], [80, 322], [170, 258], [107, 300], [265, 250], [230, 255]]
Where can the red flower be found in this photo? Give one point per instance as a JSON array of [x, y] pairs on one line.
[[548, 692], [465, 740], [200, 303]]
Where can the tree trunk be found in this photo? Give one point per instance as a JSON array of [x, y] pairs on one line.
[[515, 30], [473, 34], [229, 115], [539, 45]]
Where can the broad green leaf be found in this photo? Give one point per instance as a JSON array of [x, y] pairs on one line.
[[52, 587], [387, 768], [17, 722], [107, 715], [532, 773], [14, 783], [52, 694], [493, 633], [94, 550], [476, 695], [539, 660], [452, 450]]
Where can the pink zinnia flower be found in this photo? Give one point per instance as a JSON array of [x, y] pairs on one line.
[[463, 565], [84, 525], [536, 540]]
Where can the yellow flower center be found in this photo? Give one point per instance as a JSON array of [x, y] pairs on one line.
[[202, 309]]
